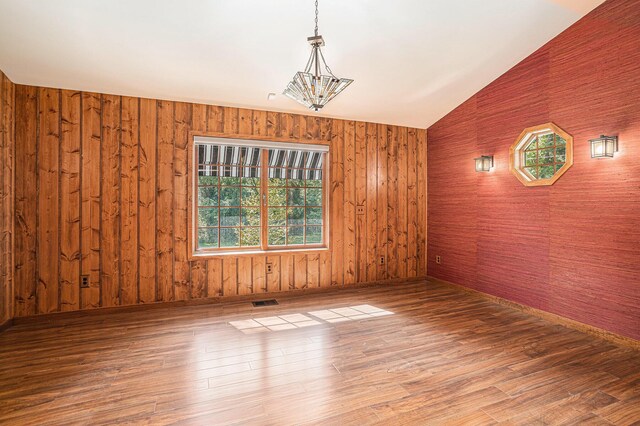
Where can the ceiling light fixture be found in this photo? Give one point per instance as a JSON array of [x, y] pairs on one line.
[[311, 88]]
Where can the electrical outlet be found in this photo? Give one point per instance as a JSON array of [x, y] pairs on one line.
[[269, 268], [84, 281], [360, 209], [381, 261], [438, 260]]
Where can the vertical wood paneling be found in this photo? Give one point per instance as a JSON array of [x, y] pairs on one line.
[[110, 201], [361, 201], [371, 199], [90, 197], [259, 279], [245, 281], [349, 211], [230, 276], [287, 281], [412, 204], [70, 202], [336, 220], [129, 202], [25, 196], [421, 181], [165, 211], [214, 277], [7, 191], [182, 268], [273, 278], [48, 200], [300, 271], [402, 205], [147, 203], [313, 270], [382, 185], [392, 202], [200, 283], [325, 269], [103, 185]]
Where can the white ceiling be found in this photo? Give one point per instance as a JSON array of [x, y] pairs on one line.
[[412, 60]]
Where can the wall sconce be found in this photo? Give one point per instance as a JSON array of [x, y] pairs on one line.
[[604, 146], [484, 163]]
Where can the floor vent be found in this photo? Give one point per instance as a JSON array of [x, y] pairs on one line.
[[269, 302]]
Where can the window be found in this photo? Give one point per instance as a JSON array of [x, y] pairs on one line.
[[541, 155], [250, 195]]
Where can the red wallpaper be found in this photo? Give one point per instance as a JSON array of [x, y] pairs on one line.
[[573, 248]]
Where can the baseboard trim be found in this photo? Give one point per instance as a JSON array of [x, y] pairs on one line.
[[54, 316], [548, 316]]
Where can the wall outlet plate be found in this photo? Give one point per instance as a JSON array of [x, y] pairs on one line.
[[381, 260], [360, 209], [438, 260], [84, 281], [269, 268]]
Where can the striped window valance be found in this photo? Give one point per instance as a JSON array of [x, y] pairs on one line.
[[241, 161]]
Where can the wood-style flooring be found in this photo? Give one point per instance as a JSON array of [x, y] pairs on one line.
[[443, 357]]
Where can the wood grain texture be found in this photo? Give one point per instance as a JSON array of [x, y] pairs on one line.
[[176, 365], [128, 159], [7, 194], [569, 249], [70, 201]]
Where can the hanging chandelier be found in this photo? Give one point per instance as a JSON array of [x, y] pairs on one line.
[[310, 87]]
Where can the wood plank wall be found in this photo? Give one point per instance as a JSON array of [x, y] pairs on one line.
[[7, 151], [572, 248], [103, 193]]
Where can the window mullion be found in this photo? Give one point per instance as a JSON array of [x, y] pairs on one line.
[[264, 198]]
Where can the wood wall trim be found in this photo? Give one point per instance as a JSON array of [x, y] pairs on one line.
[[548, 316]]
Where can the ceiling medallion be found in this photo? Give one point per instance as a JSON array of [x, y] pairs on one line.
[[311, 88]]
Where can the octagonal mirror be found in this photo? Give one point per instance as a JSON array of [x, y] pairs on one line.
[[541, 154]]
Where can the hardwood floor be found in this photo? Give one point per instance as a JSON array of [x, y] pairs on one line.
[[442, 357]]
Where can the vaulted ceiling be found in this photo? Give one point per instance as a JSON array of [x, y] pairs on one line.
[[412, 60]]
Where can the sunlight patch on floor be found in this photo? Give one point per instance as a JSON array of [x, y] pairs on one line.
[[293, 321]]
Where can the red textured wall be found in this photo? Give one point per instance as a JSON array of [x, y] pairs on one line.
[[573, 248]]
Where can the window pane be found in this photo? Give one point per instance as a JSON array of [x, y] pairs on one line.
[[250, 196], [250, 181], [208, 196], [533, 171], [208, 180], [250, 237], [277, 181], [314, 197], [545, 140], [314, 234], [314, 216], [546, 156], [277, 216], [230, 196], [314, 178], [229, 237], [230, 217], [295, 216], [531, 158], [546, 172], [296, 197], [277, 236], [229, 181], [208, 237], [277, 197], [251, 216], [295, 235], [295, 177], [561, 154], [208, 217], [533, 145]]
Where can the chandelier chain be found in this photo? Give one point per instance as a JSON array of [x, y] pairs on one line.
[[316, 18]]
